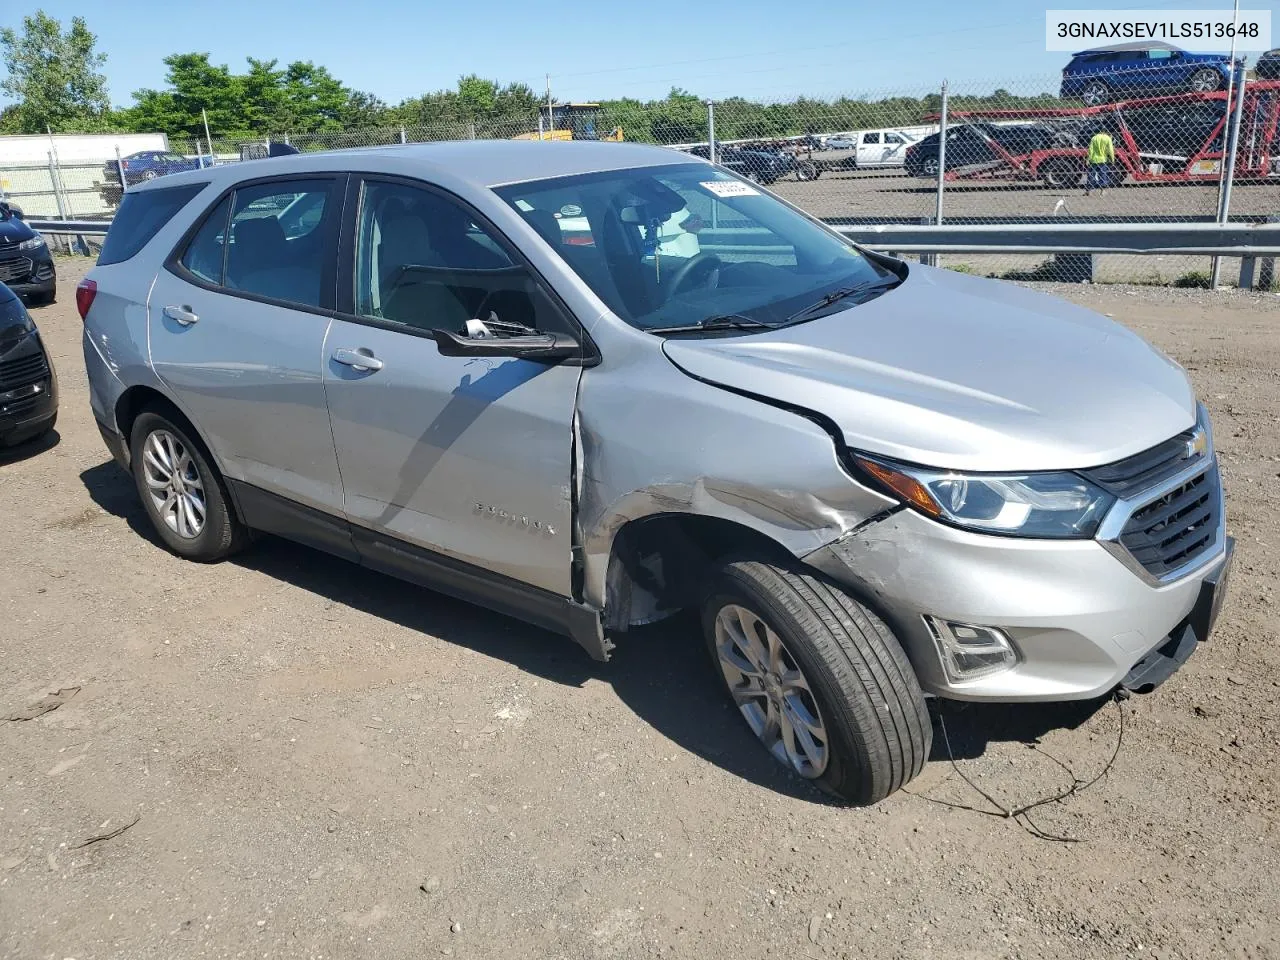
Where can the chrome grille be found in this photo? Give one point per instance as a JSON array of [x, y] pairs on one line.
[[18, 373], [13, 269], [1175, 529], [1169, 512], [1135, 475]]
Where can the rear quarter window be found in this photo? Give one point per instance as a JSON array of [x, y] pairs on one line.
[[141, 216]]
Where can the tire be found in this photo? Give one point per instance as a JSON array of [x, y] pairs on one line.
[[1061, 173], [807, 170], [1095, 93], [220, 533], [149, 175], [929, 168], [1204, 81], [855, 680]]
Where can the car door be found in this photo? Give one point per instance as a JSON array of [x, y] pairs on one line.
[[238, 318], [869, 150], [465, 457], [895, 148]]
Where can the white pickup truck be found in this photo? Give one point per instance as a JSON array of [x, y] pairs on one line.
[[874, 148]]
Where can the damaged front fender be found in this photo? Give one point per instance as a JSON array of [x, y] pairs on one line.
[[658, 442]]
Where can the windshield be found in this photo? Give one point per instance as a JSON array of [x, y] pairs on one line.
[[672, 246]]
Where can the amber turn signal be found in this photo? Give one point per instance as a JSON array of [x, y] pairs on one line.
[[909, 489]]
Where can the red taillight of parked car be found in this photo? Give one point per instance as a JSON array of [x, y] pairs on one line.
[[86, 290]]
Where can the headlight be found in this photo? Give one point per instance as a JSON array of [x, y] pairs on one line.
[[33, 244], [1057, 505]]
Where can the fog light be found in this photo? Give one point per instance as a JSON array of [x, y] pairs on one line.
[[969, 651]]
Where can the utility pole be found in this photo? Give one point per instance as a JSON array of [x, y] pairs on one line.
[[551, 113], [1225, 172], [207, 139]]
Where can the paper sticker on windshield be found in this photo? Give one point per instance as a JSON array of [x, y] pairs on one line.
[[729, 188]]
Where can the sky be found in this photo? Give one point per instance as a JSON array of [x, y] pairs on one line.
[[760, 49]]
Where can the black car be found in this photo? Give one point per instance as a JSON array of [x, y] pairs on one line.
[[970, 145], [26, 264], [1268, 65], [762, 166], [28, 383]]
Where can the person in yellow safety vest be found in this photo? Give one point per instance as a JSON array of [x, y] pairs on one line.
[[1102, 153]]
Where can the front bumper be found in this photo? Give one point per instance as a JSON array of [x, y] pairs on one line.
[[30, 274], [1080, 619], [29, 405]]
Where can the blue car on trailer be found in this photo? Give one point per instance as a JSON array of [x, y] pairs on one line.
[[1128, 70]]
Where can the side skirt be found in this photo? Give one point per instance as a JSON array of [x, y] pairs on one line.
[[270, 513]]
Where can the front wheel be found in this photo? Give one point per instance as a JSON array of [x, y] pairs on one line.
[[821, 680], [929, 169], [807, 170], [182, 491]]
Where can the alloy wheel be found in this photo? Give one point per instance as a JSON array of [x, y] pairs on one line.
[[1205, 81], [173, 483], [1095, 93], [771, 691]]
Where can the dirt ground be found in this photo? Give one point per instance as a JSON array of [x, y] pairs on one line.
[[320, 762]]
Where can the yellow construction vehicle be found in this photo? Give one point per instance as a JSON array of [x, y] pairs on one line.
[[569, 121]]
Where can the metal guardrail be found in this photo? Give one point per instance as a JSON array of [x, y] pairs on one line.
[[1184, 239], [1257, 244], [87, 228]]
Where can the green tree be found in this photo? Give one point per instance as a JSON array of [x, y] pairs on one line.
[[54, 76]]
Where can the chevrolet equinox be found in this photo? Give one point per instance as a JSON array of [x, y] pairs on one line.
[[590, 385]]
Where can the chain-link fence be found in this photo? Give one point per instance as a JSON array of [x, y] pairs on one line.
[[1155, 144]]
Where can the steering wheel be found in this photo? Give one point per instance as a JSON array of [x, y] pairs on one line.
[[703, 261]]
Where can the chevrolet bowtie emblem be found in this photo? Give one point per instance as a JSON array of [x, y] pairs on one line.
[[1197, 446]]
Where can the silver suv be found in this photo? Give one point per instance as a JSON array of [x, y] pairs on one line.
[[590, 385]]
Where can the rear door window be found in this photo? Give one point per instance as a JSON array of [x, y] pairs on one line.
[[279, 258], [141, 216]]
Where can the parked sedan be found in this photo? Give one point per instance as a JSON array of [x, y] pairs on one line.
[[25, 262], [1141, 69], [28, 384], [149, 164]]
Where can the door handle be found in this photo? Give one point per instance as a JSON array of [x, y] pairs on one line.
[[361, 359], [182, 315]]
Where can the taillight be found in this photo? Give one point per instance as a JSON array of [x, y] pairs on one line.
[[86, 290], [125, 164]]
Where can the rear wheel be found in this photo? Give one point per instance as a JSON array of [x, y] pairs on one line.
[[1206, 81], [821, 681], [1095, 92], [182, 491], [807, 170], [1061, 173], [929, 168]]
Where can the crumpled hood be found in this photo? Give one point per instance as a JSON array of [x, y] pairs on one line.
[[963, 373]]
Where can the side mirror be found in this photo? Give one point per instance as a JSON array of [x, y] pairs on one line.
[[541, 347]]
